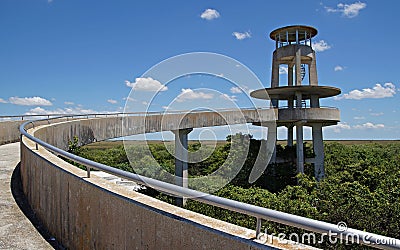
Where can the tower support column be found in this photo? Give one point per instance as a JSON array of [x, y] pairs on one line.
[[314, 101], [181, 161], [318, 146], [312, 71], [290, 75], [299, 147], [275, 71], [290, 135], [298, 67]]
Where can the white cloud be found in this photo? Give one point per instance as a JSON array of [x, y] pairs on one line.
[[3, 101], [241, 36], [340, 126], [320, 46], [283, 70], [228, 97], [69, 103], [378, 91], [59, 111], [29, 101], [235, 90], [210, 14], [189, 94], [359, 118], [344, 126], [369, 125], [348, 10], [146, 84], [339, 68], [111, 101], [377, 114]]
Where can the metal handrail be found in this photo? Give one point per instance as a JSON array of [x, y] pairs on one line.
[[259, 213], [57, 116]]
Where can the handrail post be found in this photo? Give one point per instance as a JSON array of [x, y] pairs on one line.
[[258, 227], [87, 171]]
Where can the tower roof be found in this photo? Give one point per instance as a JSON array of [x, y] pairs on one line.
[[291, 30]]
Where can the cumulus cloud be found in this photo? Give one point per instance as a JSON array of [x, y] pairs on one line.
[[340, 126], [228, 97], [210, 14], [146, 84], [320, 46], [59, 111], [3, 101], [348, 10], [69, 103], [369, 125], [283, 70], [377, 114], [235, 90], [359, 118], [378, 91], [344, 126], [338, 68], [29, 101], [111, 101], [190, 94], [241, 36]]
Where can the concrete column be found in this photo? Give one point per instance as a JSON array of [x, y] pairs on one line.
[[272, 134], [298, 67], [299, 100], [299, 147], [314, 101], [318, 146], [290, 102], [275, 103], [275, 71], [312, 71], [290, 136], [290, 75], [181, 161]]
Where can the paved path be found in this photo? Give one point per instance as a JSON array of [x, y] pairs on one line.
[[16, 230]]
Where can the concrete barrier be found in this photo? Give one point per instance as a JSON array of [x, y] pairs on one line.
[[9, 131], [92, 213]]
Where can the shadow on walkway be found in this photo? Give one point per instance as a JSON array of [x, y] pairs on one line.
[[22, 202]]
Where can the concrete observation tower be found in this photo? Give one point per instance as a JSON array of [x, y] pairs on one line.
[[298, 102]]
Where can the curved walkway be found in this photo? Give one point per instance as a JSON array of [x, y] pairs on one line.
[[16, 230]]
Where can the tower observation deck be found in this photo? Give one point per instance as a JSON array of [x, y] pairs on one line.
[[293, 49]]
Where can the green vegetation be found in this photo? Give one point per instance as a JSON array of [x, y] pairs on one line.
[[361, 188]]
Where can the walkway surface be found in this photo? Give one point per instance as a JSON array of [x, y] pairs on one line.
[[16, 230]]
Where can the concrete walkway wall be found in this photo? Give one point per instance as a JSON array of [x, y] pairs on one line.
[[92, 213], [9, 131]]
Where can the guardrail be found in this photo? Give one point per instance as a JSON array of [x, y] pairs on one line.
[[41, 117], [260, 213]]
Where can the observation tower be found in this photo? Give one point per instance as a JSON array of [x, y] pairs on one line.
[[298, 100]]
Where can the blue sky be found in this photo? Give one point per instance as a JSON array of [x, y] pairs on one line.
[[72, 56]]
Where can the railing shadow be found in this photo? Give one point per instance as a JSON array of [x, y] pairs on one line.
[[23, 204]]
